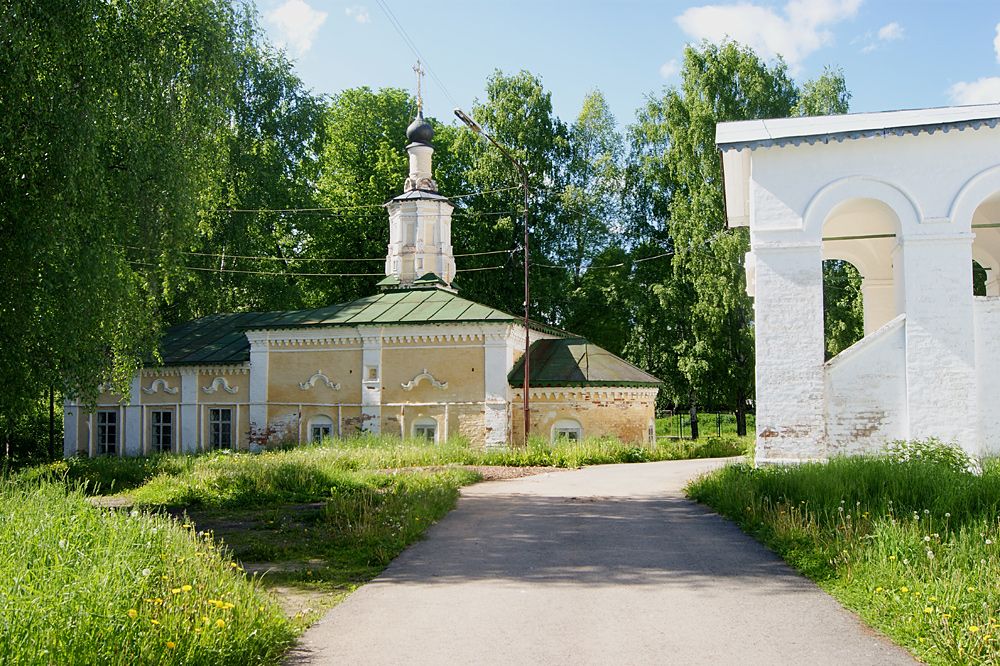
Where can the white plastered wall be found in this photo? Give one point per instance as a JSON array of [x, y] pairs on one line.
[[932, 184]]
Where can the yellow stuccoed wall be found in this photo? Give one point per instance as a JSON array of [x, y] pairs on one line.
[[289, 368], [622, 413], [460, 366]]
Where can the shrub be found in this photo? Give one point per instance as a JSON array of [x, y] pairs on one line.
[[932, 451]]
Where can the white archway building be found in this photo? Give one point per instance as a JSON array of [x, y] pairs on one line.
[[910, 198]]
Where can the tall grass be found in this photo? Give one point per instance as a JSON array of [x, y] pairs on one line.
[[306, 473], [83, 585], [912, 547]]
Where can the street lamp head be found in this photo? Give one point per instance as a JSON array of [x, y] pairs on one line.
[[472, 124]]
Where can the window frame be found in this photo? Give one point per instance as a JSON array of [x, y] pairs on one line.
[[104, 447], [569, 429], [217, 426], [157, 430], [424, 426]]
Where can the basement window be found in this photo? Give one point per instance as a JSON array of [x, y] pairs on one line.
[[425, 428], [320, 428], [567, 429]]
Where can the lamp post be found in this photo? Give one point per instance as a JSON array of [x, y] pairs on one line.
[[474, 126]]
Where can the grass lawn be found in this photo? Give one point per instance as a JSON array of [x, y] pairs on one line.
[[84, 585], [314, 521], [911, 547], [709, 424]]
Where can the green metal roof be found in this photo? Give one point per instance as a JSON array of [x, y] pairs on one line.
[[221, 338], [576, 362]]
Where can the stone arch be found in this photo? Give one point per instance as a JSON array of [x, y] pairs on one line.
[[827, 199], [976, 190]]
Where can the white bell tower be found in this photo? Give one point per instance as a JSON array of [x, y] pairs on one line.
[[420, 218]]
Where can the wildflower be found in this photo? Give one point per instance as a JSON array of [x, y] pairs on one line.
[[175, 590], [989, 542], [892, 557], [134, 513], [132, 613], [904, 589], [930, 554], [970, 589], [927, 538], [927, 512], [973, 628], [154, 622], [220, 623], [157, 601], [62, 543], [928, 610], [186, 588], [146, 572], [171, 645], [931, 598], [186, 526], [947, 515], [878, 589]]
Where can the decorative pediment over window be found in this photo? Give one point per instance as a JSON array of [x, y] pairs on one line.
[[412, 384], [318, 377], [160, 385], [220, 382]]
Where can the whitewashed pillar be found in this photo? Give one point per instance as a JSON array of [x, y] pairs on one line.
[[259, 360], [371, 379], [788, 316], [71, 420], [940, 338], [188, 442], [879, 302], [132, 430], [497, 363]]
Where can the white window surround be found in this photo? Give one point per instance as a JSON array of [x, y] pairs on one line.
[[425, 427], [320, 428], [567, 428]]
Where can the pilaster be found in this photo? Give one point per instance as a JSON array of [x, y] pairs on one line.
[[71, 435], [259, 359], [188, 442], [371, 379], [132, 431]]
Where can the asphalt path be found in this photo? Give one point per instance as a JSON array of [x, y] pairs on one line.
[[603, 565]]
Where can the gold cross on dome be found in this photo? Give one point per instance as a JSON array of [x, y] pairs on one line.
[[419, 71]]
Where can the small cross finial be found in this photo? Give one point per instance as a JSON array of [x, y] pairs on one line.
[[419, 71]]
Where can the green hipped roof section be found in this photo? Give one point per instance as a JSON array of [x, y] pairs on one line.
[[221, 338], [576, 362]]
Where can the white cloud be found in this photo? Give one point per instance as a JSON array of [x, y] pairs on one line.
[[981, 91], [669, 68], [359, 13], [890, 32], [296, 23], [996, 43], [795, 35]]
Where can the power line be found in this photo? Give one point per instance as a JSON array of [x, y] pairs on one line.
[[296, 274], [334, 209], [223, 255], [413, 47]]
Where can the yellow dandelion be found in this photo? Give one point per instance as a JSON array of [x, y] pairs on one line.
[[970, 589], [220, 623], [928, 609], [197, 630], [973, 628], [186, 588], [132, 613], [171, 645], [904, 589], [878, 589], [175, 590], [892, 557], [155, 622], [157, 601], [931, 598]]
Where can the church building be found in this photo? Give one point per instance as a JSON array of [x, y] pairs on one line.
[[415, 360]]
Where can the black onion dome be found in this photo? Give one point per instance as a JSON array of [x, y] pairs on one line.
[[420, 131]]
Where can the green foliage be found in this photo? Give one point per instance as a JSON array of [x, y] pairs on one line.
[[908, 545], [84, 585], [843, 306]]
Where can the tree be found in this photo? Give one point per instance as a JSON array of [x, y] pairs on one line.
[[270, 161], [109, 123]]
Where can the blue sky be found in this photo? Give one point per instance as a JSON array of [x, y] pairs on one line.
[[894, 53]]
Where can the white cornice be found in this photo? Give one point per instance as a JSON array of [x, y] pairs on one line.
[[583, 393]]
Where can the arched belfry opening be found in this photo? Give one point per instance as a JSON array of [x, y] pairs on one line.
[[860, 242], [986, 247]]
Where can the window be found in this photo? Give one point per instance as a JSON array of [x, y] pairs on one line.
[[652, 432], [107, 432], [163, 431], [567, 429], [320, 428], [425, 428], [220, 428]]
